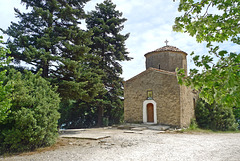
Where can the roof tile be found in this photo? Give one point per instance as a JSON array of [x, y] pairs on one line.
[[167, 48]]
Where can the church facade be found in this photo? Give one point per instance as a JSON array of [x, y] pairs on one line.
[[154, 96]]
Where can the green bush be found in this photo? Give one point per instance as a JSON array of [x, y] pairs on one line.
[[80, 114], [193, 125], [5, 90], [214, 117], [236, 112], [77, 114], [32, 122]]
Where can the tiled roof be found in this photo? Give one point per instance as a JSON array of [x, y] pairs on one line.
[[150, 70], [167, 48], [163, 71]]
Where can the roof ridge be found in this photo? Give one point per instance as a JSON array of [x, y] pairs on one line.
[[167, 48], [164, 71], [148, 70]]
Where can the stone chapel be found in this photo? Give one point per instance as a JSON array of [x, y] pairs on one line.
[[154, 96]]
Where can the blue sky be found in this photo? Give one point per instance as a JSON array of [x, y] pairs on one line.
[[149, 24]]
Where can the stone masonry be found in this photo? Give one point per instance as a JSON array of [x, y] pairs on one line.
[[174, 103]]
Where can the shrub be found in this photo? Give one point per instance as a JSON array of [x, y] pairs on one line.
[[32, 122], [5, 100], [236, 112], [77, 114], [193, 125], [214, 117]]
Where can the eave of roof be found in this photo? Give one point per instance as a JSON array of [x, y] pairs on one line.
[[149, 70], [166, 48]]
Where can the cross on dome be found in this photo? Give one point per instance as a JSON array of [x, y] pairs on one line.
[[166, 42]]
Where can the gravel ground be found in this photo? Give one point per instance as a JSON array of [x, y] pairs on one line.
[[141, 146]]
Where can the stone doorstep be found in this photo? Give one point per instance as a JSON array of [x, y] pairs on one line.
[[160, 128], [133, 132], [125, 127], [129, 131], [138, 128], [141, 127], [86, 136]]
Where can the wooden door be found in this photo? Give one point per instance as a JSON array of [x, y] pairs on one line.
[[150, 117]]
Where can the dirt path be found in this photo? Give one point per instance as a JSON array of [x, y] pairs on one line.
[[142, 145]]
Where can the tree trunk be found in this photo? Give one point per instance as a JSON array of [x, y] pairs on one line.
[[100, 117], [45, 71]]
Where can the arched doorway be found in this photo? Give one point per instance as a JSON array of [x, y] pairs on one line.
[[149, 111], [150, 117]]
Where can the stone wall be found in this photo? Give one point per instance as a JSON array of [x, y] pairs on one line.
[[166, 93], [174, 103], [168, 61], [187, 105]]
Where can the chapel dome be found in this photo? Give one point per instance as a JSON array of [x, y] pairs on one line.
[[166, 58]]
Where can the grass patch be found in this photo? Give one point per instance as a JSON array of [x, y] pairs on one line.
[[199, 130], [194, 128]]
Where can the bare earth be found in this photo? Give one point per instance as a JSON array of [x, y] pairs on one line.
[[140, 146]]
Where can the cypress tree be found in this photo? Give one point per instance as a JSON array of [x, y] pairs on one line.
[[48, 36], [106, 23]]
